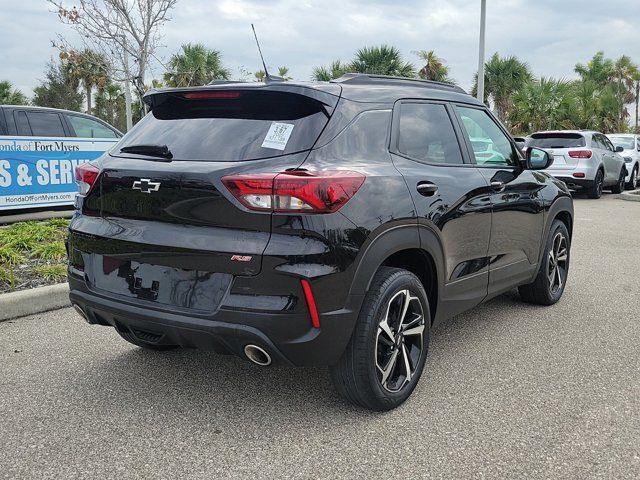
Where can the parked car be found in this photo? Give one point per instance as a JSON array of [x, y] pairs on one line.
[[630, 145], [39, 150], [584, 160], [314, 224]]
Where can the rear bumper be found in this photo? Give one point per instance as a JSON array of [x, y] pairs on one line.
[[575, 183], [227, 331]]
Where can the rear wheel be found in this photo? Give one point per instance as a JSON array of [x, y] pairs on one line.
[[387, 351], [595, 189], [131, 338], [549, 284], [619, 187]]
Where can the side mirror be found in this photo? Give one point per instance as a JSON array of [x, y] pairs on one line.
[[538, 159], [619, 149]]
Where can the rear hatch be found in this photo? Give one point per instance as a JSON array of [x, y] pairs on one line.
[[164, 225], [567, 147]]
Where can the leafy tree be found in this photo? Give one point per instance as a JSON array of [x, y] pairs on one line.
[[543, 104], [11, 96], [599, 70], [434, 68], [58, 89], [623, 71], [636, 94], [195, 65], [503, 77], [335, 70], [89, 68], [260, 75], [284, 73], [382, 60]]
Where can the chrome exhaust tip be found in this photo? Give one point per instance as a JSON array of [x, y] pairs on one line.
[[257, 355], [81, 312]]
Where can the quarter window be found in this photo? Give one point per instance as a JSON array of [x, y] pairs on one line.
[[88, 128], [489, 143], [426, 134]]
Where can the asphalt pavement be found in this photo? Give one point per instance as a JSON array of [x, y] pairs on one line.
[[509, 391]]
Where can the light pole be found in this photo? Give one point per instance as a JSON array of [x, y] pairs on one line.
[[483, 21]]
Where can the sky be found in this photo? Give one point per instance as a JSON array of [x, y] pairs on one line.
[[550, 35]]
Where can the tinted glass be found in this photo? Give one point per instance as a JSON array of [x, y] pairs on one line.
[[627, 143], [243, 126], [46, 124], [22, 124], [489, 143], [86, 127], [556, 140], [426, 134]]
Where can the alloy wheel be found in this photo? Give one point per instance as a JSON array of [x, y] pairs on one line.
[[399, 341], [557, 268], [634, 179], [599, 182]]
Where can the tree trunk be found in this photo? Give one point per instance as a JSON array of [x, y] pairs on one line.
[[88, 89]]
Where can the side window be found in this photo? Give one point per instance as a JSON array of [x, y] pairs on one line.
[[608, 144], [490, 145], [46, 124], [426, 134], [22, 124], [88, 128]]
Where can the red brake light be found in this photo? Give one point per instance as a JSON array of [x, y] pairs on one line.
[[86, 175], [295, 191], [580, 153], [212, 94]]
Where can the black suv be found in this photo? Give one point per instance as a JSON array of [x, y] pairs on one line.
[[314, 224]]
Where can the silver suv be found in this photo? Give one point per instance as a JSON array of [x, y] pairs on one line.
[[631, 155], [584, 160]]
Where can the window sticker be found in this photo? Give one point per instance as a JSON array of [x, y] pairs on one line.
[[278, 135]]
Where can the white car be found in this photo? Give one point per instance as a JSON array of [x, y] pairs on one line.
[[631, 154]]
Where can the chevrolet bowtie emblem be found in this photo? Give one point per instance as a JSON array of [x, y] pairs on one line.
[[145, 185]]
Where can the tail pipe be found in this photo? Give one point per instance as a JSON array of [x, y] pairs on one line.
[[257, 355]]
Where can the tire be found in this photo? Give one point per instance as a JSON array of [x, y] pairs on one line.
[[365, 374], [551, 279], [619, 187], [633, 179], [129, 337], [595, 189]]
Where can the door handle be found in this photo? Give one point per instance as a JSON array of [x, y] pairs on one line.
[[497, 186], [427, 189]]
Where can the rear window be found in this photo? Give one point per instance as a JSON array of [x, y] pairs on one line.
[[237, 125], [556, 140]]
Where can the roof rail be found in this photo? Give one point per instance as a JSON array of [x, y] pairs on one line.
[[369, 79]]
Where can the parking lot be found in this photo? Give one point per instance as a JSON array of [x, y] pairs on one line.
[[510, 390]]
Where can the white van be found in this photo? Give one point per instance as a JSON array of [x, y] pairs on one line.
[[39, 150]]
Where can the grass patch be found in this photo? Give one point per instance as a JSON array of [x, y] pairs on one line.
[[32, 254]]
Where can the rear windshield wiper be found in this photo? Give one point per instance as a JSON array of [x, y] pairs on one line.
[[160, 151]]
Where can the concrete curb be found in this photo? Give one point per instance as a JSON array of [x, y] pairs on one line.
[[632, 196], [35, 300]]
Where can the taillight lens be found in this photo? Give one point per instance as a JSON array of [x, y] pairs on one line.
[[295, 191], [86, 175], [580, 153]]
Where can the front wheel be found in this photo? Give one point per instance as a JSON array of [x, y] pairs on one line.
[[549, 284], [386, 354], [619, 187], [633, 179]]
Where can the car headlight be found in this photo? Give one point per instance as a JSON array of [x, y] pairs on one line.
[[627, 159]]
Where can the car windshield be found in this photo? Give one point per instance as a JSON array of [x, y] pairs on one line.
[[227, 125], [625, 142], [556, 140]]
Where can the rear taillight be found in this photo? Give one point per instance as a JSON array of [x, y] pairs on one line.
[[580, 153], [295, 191], [86, 175]]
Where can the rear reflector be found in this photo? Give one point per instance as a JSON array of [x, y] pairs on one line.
[[578, 174], [311, 304], [221, 94], [86, 175], [580, 153], [295, 191]]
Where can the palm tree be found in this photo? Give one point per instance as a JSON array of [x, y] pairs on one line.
[[382, 60], [195, 65], [10, 96], [502, 78], [284, 73], [599, 70], [335, 70], [543, 104], [87, 68], [434, 68], [636, 95], [260, 74], [623, 70]]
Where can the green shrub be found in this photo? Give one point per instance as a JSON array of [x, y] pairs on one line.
[[51, 272]]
